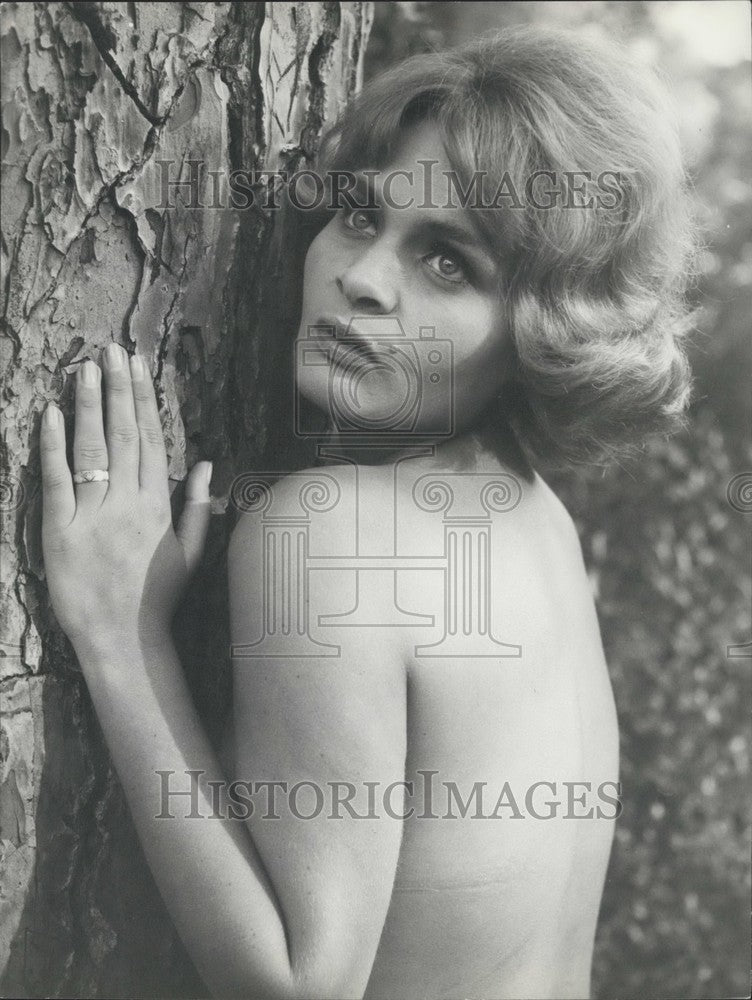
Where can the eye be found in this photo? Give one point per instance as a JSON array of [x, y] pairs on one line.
[[448, 266], [360, 220]]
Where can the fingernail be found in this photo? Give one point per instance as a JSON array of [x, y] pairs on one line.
[[209, 470], [138, 368], [114, 356], [90, 373], [52, 415]]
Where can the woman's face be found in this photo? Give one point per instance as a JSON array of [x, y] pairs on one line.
[[423, 266]]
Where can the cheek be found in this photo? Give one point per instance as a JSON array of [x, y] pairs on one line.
[[481, 370], [320, 262], [480, 336], [312, 266], [311, 277]]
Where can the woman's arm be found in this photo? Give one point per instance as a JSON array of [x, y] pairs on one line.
[[302, 919], [207, 869], [335, 729]]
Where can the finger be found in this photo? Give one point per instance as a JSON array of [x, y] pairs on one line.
[[152, 468], [194, 521], [89, 447], [58, 500], [121, 430]]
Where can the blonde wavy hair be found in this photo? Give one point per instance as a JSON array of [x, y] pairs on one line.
[[594, 296]]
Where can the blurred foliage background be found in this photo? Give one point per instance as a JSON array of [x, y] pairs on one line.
[[669, 555]]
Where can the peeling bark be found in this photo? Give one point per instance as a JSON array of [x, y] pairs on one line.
[[94, 96]]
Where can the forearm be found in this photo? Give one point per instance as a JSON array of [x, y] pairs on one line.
[[207, 869]]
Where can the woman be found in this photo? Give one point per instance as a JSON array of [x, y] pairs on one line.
[[471, 789]]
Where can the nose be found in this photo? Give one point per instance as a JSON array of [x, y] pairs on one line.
[[369, 283]]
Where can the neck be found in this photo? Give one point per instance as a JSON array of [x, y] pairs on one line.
[[481, 448]]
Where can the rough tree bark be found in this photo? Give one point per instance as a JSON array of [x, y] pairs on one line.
[[94, 96]]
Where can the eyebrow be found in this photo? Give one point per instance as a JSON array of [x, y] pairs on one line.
[[454, 231], [438, 229], [463, 236]]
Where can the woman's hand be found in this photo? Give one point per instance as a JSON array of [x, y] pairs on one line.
[[115, 568]]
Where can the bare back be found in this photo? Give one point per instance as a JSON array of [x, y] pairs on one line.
[[511, 756], [503, 901]]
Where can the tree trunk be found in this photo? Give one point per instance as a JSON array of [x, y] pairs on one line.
[[103, 105]]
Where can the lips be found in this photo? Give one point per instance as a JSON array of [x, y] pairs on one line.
[[357, 342], [344, 329], [351, 357], [335, 324]]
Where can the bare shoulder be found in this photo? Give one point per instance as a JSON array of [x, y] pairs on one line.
[[550, 509], [293, 562], [316, 498], [267, 495], [558, 512], [525, 512], [543, 537]]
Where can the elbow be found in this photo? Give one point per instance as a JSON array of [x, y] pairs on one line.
[[332, 988], [327, 979], [304, 989], [322, 980]]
